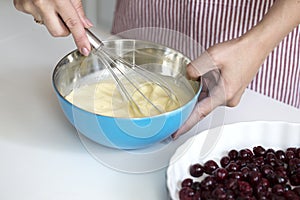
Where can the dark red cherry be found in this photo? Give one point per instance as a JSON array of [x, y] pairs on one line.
[[278, 189], [233, 154], [259, 151], [224, 161], [210, 166], [220, 174], [187, 182], [196, 170]]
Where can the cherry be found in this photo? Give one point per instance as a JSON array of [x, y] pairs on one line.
[[270, 150], [281, 178], [287, 187], [245, 187], [280, 154], [208, 183], [259, 151], [253, 167], [259, 161], [210, 166], [224, 161], [187, 182], [298, 153], [291, 195], [233, 154], [293, 165], [196, 186], [235, 175], [232, 166], [294, 149], [186, 194], [245, 174], [220, 174], [290, 154], [270, 158], [219, 193], [297, 190], [196, 170], [254, 177], [231, 184], [278, 189], [295, 180], [245, 154], [265, 182], [266, 169]]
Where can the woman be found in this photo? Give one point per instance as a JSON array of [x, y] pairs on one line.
[[251, 44]]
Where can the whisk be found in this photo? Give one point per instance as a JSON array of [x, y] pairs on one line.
[[123, 70]]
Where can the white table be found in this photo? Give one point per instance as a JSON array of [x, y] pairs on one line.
[[42, 157]]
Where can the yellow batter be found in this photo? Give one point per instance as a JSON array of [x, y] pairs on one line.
[[104, 98]]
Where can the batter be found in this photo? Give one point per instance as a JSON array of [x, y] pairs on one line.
[[104, 98]]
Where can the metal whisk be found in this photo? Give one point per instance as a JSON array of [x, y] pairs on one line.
[[120, 69]]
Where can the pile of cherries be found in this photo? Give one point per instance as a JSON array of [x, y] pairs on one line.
[[246, 175]]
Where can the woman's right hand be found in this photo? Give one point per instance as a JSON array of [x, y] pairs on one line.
[[61, 17]]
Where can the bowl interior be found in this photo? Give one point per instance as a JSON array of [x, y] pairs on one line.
[[75, 70]]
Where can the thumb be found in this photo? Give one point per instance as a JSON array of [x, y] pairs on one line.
[[201, 110], [201, 65], [80, 10]]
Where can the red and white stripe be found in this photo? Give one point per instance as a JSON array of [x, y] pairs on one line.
[[203, 23]]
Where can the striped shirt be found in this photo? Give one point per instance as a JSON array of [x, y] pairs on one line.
[[191, 26]]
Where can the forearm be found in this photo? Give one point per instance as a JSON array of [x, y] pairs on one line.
[[280, 20]]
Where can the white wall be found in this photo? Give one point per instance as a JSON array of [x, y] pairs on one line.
[[100, 12]]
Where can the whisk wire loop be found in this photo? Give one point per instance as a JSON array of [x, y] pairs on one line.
[[117, 65], [114, 64]]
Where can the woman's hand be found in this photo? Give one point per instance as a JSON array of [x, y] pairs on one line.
[[61, 17], [228, 68]]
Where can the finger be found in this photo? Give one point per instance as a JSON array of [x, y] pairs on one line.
[[204, 91], [203, 108], [74, 24], [55, 25], [211, 79], [200, 66], [24, 6], [46, 13], [29, 8], [203, 95], [79, 8]]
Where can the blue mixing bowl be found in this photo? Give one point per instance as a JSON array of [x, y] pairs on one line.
[[118, 132]]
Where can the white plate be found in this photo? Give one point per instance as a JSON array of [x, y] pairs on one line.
[[214, 143]]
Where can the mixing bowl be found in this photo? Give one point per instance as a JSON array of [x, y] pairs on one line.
[[75, 70]]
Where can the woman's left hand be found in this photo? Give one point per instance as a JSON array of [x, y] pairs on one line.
[[226, 69], [229, 67]]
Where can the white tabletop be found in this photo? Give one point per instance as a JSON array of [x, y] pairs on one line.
[[43, 157]]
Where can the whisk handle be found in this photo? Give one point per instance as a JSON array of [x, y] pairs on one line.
[[95, 42]]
